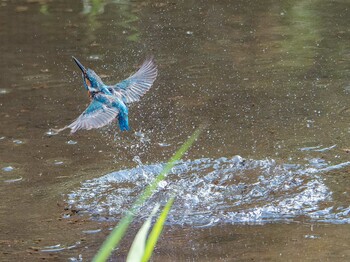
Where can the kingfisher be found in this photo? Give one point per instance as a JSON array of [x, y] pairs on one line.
[[109, 102]]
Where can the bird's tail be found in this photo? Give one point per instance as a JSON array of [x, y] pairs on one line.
[[123, 122]]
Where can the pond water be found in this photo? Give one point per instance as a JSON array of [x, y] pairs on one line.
[[268, 179]]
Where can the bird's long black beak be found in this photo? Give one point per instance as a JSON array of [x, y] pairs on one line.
[[82, 68]]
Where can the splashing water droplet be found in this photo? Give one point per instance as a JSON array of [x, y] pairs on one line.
[[51, 132], [311, 236], [223, 190], [18, 142], [137, 160], [79, 259], [95, 57], [163, 144], [162, 184], [8, 168]]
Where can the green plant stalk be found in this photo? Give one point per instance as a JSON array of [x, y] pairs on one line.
[[119, 231], [137, 248], [156, 231]]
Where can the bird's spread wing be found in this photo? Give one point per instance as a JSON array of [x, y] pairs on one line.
[[139, 83], [96, 115]]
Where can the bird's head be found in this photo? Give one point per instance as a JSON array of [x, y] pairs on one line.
[[92, 82]]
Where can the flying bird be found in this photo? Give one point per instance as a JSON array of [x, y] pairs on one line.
[[109, 102]]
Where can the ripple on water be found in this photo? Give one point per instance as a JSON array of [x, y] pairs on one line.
[[11, 174], [224, 190], [59, 247], [59, 161], [51, 132], [318, 148], [163, 144], [13, 180], [94, 231], [17, 141], [4, 91]]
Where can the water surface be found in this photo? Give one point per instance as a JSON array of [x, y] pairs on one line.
[[271, 81]]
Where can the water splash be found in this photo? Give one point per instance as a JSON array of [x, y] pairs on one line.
[[51, 132], [72, 142], [8, 168], [18, 142], [225, 190]]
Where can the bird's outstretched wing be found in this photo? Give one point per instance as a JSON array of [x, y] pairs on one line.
[[96, 115], [139, 83]]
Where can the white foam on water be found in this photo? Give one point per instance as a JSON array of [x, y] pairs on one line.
[[224, 190]]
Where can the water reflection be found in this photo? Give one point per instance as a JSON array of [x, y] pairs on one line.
[[303, 37], [127, 22], [127, 19], [93, 7]]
